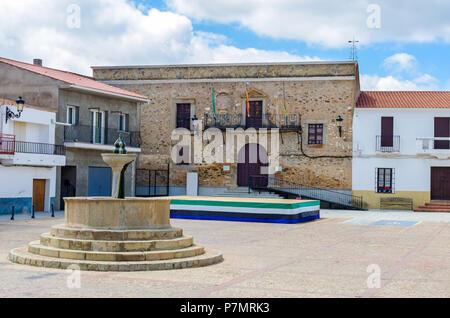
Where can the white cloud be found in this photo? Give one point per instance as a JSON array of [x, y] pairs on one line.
[[113, 32], [329, 23], [400, 62], [390, 83]]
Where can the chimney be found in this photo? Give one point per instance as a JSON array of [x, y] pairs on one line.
[[37, 62]]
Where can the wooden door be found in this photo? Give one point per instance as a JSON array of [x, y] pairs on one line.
[[440, 183], [387, 131], [251, 166], [38, 195], [442, 129], [254, 117]]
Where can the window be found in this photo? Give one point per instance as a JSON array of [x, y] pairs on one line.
[[183, 116], [72, 114], [442, 130], [385, 180], [97, 127], [315, 134], [123, 122]]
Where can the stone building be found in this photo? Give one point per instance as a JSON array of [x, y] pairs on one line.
[[311, 103], [89, 118]]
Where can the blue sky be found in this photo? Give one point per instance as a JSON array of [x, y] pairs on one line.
[[404, 44]]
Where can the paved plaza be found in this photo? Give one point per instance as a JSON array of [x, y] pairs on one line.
[[325, 258]]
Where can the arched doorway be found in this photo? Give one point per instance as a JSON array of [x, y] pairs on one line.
[[251, 159]]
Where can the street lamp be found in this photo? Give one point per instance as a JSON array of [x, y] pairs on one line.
[[340, 120], [10, 114]]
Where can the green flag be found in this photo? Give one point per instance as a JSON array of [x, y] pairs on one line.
[[214, 103]]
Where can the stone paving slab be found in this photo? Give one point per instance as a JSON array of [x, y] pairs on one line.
[[324, 258]]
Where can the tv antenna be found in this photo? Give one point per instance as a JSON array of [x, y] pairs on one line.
[[354, 49]]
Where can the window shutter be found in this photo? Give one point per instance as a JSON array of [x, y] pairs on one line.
[[127, 122], [441, 129], [91, 126], [77, 115], [105, 129], [387, 131]]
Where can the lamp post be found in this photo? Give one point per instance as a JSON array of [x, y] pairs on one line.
[[340, 120], [10, 114]]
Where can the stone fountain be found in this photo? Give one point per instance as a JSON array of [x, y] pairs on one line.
[[116, 233]]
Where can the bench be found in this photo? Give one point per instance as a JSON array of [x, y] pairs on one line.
[[396, 202]]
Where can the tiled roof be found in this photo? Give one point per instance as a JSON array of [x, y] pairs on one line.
[[72, 78], [404, 99]]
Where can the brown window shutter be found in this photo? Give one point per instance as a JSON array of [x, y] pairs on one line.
[[442, 129], [387, 131]]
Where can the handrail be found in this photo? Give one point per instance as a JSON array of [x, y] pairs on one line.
[[331, 196], [39, 148], [84, 133], [7, 144], [268, 120]]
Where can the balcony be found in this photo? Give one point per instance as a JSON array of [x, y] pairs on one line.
[[7, 144], [387, 144], [85, 134], [291, 122], [438, 147], [13, 152]]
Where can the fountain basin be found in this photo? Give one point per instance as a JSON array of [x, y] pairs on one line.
[[117, 214]]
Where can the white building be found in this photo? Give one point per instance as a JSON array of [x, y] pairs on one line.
[[28, 159], [401, 145]]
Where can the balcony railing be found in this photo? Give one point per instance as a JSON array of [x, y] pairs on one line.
[[388, 144], [7, 144], [433, 145], [83, 133], [280, 121], [40, 148]]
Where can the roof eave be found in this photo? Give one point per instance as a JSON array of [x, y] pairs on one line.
[[104, 93]]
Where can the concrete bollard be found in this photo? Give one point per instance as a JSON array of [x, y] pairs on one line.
[[12, 213], [53, 211], [32, 212]]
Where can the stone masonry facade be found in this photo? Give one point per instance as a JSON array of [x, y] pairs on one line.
[[319, 92]]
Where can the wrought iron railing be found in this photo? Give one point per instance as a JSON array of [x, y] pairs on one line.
[[278, 185], [388, 143], [280, 121], [152, 183], [7, 144], [39, 148], [85, 133], [432, 144]]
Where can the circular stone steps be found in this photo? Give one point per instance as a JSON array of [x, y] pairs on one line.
[[115, 235], [36, 248], [115, 246], [114, 250], [22, 256]]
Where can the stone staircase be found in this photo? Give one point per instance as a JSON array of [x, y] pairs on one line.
[[114, 250], [242, 192], [435, 206]]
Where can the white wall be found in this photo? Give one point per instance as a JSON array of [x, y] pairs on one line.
[[412, 172], [40, 125], [408, 124], [17, 182]]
